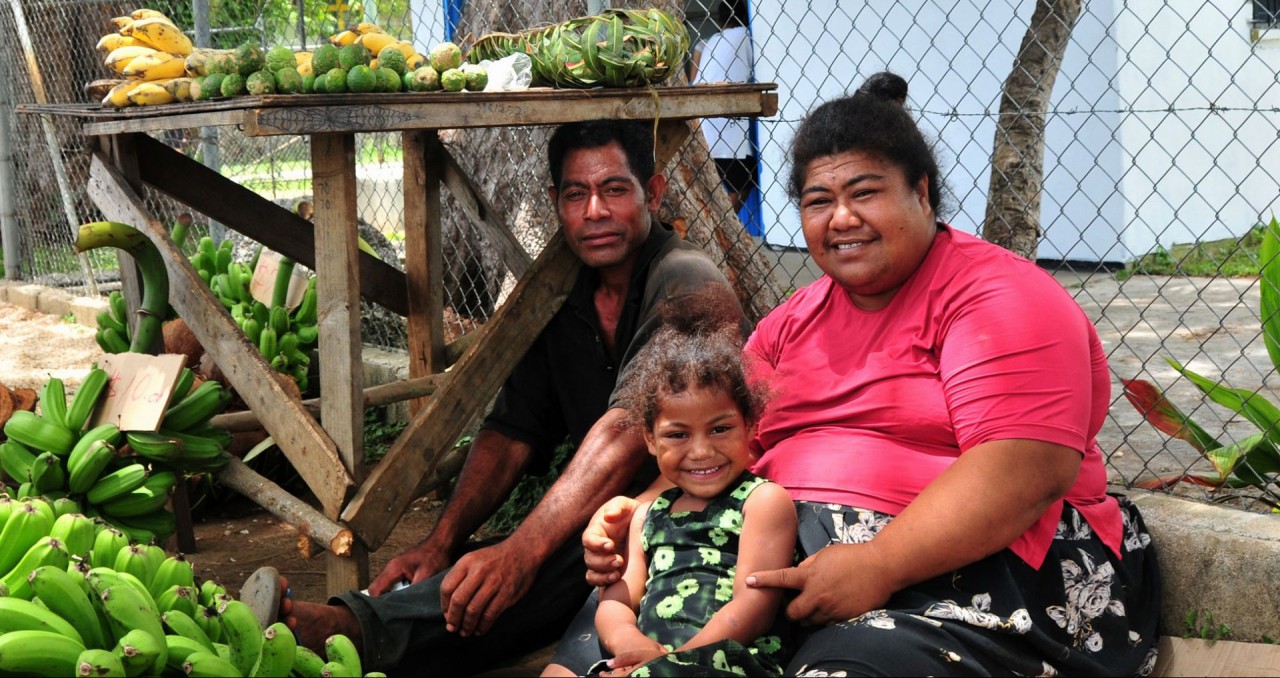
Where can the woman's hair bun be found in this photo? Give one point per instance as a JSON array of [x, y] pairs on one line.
[[885, 85]]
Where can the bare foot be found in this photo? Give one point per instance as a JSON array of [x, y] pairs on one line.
[[312, 623]]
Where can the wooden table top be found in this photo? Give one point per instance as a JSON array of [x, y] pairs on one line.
[[343, 113]]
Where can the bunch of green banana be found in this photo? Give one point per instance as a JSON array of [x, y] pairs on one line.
[[284, 339], [115, 608], [142, 614], [154, 306], [48, 454], [113, 325]]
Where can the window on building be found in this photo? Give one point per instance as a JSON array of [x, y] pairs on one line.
[[1266, 12]]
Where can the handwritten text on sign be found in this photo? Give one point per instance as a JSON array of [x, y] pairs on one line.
[[138, 389], [264, 281]]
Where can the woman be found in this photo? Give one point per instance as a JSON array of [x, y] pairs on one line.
[[936, 401]]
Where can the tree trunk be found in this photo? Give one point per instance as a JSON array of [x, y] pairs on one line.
[[695, 200], [1017, 160]]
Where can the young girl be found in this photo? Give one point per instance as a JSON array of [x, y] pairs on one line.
[[682, 605]]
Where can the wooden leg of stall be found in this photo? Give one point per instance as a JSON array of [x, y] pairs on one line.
[[307, 446], [423, 256], [338, 289]]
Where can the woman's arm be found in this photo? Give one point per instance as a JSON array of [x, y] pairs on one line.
[[991, 495], [768, 541], [616, 616]]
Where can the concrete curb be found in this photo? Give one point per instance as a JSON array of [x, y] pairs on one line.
[[53, 301], [1215, 560]]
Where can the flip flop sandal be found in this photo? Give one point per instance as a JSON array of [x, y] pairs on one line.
[[262, 593]]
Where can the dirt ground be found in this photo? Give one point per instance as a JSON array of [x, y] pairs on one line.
[[238, 537], [233, 538]]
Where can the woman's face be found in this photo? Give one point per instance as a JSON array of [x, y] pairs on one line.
[[865, 225]]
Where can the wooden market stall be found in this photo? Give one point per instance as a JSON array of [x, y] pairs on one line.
[[359, 506]]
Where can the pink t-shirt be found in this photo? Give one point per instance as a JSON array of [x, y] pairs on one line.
[[868, 407]]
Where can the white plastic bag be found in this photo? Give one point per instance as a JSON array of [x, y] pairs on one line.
[[511, 72]]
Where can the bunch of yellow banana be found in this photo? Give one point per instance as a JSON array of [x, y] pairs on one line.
[[373, 38], [197, 62], [150, 51]]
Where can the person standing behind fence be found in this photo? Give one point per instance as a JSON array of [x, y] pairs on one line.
[[727, 57]]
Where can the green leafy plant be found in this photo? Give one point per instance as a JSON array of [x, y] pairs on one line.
[[1204, 627], [379, 434], [1249, 464], [527, 493]]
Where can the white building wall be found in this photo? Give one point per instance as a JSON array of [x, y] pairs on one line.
[[428, 26], [1115, 183], [1196, 173]]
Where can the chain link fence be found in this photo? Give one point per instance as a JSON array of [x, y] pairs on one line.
[[1159, 135]]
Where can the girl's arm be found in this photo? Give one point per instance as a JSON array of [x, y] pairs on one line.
[[768, 542], [616, 615]]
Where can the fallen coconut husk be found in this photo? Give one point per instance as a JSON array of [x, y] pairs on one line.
[[178, 339], [24, 399], [6, 404]]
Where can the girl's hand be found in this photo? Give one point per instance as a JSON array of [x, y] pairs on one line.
[[836, 584], [601, 539]]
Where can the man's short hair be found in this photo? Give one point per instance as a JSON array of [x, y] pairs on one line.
[[633, 136]]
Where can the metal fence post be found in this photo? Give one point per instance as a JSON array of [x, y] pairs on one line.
[[51, 139], [211, 157], [10, 238]]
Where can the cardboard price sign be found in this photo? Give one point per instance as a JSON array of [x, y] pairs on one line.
[[139, 387], [264, 281]]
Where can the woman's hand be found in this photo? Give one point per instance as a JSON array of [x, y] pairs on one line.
[[836, 584], [628, 660], [601, 539]]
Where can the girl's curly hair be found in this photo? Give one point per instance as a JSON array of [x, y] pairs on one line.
[[698, 345]]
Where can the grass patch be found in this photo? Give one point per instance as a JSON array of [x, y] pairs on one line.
[[63, 259], [1228, 257], [371, 151], [285, 185]]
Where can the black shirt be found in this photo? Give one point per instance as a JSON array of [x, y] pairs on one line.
[[565, 383]]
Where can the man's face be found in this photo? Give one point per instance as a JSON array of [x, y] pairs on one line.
[[603, 207]]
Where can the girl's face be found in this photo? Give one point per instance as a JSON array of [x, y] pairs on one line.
[[700, 439]]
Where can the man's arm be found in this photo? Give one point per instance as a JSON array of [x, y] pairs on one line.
[[616, 617], [492, 468], [484, 583]]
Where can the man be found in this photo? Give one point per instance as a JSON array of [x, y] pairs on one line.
[[472, 605]]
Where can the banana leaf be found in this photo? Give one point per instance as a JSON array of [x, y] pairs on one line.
[[1252, 406], [1165, 416], [618, 48], [1166, 482]]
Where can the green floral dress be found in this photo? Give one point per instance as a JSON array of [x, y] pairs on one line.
[[693, 557]]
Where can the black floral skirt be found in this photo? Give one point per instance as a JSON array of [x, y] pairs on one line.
[[1084, 612]]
